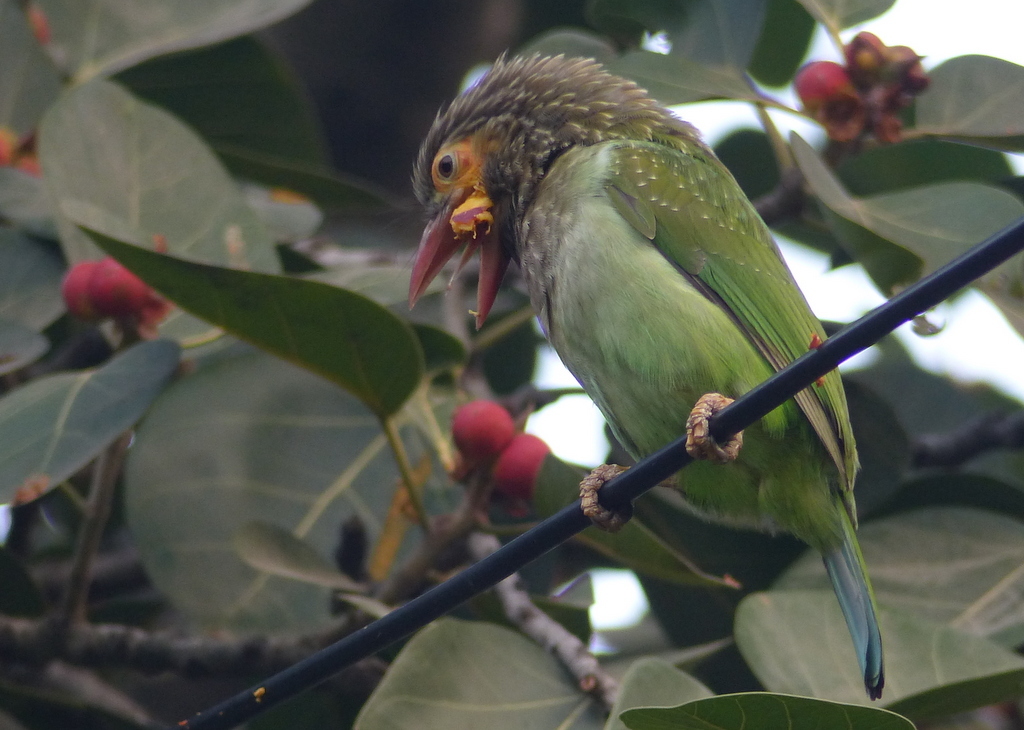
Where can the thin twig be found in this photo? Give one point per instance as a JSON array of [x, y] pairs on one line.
[[786, 200], [978, 435], [547, 632], [97, 511]]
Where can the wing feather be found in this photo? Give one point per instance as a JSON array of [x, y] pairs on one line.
[[688, 204]]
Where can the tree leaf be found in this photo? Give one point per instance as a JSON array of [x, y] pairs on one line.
[[340, 335], [882, 445], [784, 40], [20, 597], [651, 682], [239, 94], [570, 42], [53, 426], [30, 277], [756, 710], [288, 217], [960, 567], [441, 350], [898, 237], [277, 551], [29, 82], [105, 36], [677, 80], [123, 166], [920, 162], [839, 14], [796, 642], [330, 190], [975, 99], [719, 33], [635, 546], [248, 437], [19, 346], [460, 674]]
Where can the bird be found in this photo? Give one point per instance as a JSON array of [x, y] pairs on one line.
[[660, 288]]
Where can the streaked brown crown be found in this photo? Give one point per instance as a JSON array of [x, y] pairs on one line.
[[535, 108]]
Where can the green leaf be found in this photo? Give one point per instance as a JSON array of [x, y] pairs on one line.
[[976, 99], [136, 166], [898, 237], [19, 346], [459, 674], [757, 710], [29, 82], [44, 709], [570, 42], [122, 166], [384, 283], [796, 642], [105, 36], [960, 567], [287, 217], [748, 155], [30, 277], [238, 94], [441, 350], [783, 44], [53, 426], [958, 490], [20, 597], [653, 682], [340, 335], [329, 189], [24, 204], [920, 162], [839, 14], [677, 80], [274, 550], [882, 445], [719, 33], [635, 546], [247, 438]]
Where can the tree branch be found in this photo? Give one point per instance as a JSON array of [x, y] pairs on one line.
[[785, 201], [107, 646], [976, 436], [547, 632]]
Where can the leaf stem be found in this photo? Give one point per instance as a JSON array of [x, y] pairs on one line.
[[405, 470], [97, 513]]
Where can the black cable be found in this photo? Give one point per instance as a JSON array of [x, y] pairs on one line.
[[618, 493]]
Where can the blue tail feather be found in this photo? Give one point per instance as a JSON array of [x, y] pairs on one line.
[[845, 567]]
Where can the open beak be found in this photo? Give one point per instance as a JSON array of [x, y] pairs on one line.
[[465, 220]]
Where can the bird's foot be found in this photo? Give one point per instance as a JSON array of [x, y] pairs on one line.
[[699, 442], [602, 517]]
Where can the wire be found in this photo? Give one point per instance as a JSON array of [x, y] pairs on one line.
[[618, 493]]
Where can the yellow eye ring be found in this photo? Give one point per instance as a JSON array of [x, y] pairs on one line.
[[446, 166]]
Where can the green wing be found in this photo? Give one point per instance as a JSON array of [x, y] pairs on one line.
[[689, 205]]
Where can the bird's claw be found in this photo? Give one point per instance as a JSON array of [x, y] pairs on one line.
[[602, 517], [699, 442]]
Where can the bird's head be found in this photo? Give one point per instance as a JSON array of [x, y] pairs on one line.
[[486, 153]]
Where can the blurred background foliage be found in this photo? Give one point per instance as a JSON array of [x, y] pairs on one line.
[[288, 476]]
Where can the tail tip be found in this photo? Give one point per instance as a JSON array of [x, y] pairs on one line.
[[874, 685]]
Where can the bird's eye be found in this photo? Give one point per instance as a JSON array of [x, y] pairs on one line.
[[446, 167]]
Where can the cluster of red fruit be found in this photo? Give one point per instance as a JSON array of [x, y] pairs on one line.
[[96, 290], [486, 435], [867, 94]]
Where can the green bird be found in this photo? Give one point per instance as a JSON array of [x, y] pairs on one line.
[[658, 285]]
